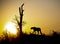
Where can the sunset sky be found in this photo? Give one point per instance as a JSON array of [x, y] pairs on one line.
[[40, 13]]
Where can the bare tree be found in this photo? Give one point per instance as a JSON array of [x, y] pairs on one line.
[[21, 18]]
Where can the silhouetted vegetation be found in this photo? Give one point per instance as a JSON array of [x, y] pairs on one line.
[[32, 38]]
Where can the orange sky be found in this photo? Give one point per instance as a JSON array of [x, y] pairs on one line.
[[40, 13]]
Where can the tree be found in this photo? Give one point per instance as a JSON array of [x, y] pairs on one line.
[[21, 18]]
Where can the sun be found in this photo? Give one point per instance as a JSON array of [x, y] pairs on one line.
[[10, 27]]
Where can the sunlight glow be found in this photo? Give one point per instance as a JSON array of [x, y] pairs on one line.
[[10, 27]]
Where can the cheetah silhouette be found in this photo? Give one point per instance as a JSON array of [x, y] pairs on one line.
[[37, 29]]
